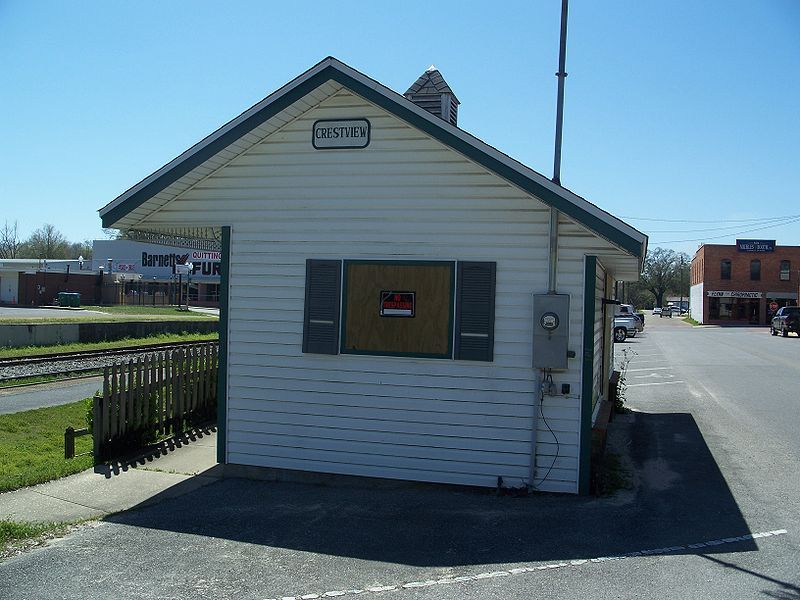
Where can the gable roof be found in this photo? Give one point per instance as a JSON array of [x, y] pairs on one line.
[[605, 225]]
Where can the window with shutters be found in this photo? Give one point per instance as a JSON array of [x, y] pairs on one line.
[[429, 309]]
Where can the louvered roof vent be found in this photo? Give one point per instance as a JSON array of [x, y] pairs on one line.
[[432, 93]]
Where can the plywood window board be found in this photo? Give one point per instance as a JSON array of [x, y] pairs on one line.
[[428, 333]]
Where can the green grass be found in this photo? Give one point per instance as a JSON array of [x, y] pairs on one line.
[[115, 314], [32, 445], [13, 531], [121, 309], [16, 536], [164, 338], [691, 321]]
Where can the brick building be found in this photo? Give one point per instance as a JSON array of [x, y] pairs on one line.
[[744, 282]]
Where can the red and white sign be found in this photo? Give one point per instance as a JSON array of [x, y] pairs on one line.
[[397, 304]]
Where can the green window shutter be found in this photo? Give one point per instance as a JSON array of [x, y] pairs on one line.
[[321, 320], [475, 311]]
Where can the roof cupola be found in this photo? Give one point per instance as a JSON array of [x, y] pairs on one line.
[[432, 93]]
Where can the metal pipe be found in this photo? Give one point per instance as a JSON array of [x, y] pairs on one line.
[[562, 74], [553, 262]]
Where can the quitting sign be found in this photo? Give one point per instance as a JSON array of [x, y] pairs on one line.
[[397, 304]]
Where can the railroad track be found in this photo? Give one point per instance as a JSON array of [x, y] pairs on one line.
[[81, 361]]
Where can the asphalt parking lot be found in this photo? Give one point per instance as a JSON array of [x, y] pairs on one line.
[[709, 510]]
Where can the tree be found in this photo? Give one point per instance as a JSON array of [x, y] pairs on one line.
[[664, 271], [9, 241], [47, 242], [77, 249]]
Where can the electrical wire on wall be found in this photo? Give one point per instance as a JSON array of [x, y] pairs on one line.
[[549, 385]]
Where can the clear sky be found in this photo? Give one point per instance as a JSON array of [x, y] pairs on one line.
[[684, 111]]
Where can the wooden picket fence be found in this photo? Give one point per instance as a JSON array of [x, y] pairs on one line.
[[153, 397]]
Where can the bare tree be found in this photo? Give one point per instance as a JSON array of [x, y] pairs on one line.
[[77, 249], [9, 241], [47, 242]]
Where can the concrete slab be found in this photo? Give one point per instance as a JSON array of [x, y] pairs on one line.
[[173, 469]]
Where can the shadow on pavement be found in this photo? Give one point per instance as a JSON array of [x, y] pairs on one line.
[[680, 498], [152, 454]]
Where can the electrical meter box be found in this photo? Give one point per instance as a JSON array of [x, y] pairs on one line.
[[550, 331]]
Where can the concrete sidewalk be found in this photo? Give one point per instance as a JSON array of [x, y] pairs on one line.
[[189, 460]]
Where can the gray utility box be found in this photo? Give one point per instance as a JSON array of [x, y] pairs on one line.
[[550, 331]]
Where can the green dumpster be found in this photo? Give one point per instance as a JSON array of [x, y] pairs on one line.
[[69, 299]]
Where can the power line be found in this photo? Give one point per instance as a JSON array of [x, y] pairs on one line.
[[795, 220], [750, 221], [776, 222]]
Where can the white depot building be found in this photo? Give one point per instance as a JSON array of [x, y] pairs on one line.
[[398, 299]]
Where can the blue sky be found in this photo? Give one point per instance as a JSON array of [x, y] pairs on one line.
[[679, 111]]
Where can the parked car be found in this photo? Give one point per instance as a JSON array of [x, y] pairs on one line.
[[626, 310], [626, 326], [785, 320], [657, 310]]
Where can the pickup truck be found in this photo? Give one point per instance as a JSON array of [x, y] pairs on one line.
[[785, 320], [626, 310], [626, 326]]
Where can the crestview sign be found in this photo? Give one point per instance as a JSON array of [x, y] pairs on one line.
[[351, 133]]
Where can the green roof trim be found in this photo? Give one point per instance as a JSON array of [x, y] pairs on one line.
[[398, 108]]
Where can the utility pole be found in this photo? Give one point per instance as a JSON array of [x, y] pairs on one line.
[[562, 74]]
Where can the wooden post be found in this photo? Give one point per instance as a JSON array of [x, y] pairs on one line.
[[69, 442], [103, 432], [118, 413], [129, 424], [146, 391], [137, 395], [195, 378], [163, 392], [97, 436]]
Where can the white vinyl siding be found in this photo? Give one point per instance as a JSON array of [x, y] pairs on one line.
[[404, 197]]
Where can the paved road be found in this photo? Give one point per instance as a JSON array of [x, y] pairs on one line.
[[47, 394], [712, 513]]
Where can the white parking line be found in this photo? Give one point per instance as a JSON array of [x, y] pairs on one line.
[[630, 385], [533, 569], [650, 369]]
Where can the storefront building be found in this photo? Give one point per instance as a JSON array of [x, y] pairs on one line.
[[743, 283], [194, 266], [398, 299]]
